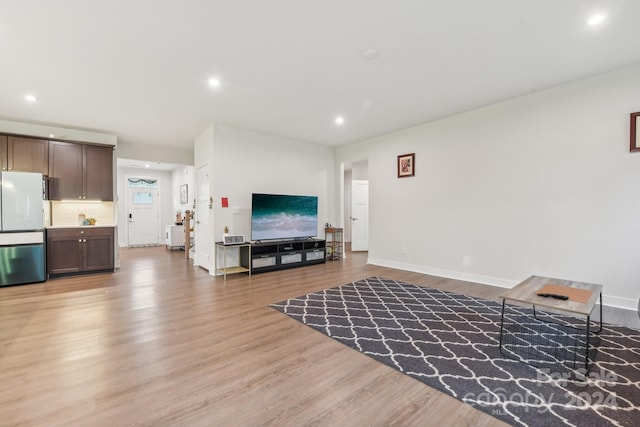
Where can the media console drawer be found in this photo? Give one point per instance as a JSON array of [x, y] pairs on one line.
[[291, 258], [263, 261], [314, 255]]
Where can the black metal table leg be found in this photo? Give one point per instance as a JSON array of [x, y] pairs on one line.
[[501, 325]]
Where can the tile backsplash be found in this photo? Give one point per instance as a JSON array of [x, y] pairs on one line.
[[68, 213]]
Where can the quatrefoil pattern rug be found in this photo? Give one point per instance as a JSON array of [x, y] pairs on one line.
[[451, 343]]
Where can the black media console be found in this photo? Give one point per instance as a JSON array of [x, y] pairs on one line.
[[278, 255]]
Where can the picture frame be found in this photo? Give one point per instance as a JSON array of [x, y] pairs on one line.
[[634, 134], [184, 194], [406, 165]]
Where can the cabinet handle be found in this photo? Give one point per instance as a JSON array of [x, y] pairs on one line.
[[82, 232], [80, 240]]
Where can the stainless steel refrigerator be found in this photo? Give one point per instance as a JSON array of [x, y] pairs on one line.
[[22, 254]]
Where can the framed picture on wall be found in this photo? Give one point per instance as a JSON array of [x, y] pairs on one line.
[[406, 165], [184, 194], [635, 132]]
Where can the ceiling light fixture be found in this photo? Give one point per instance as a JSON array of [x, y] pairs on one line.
[[30, 98], [213, 82], [339, 120], [370, 54], [596, 20], [147, 165]]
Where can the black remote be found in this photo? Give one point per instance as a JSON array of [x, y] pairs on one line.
[[556, 296]]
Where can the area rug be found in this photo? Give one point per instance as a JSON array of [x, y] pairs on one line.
[[451, 343]]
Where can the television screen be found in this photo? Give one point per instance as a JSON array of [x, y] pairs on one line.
[[278, 216]]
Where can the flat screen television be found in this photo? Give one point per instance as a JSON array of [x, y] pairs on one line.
[[279, 216]]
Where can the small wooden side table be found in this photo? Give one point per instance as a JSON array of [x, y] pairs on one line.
[[334, 242], [244, 259]]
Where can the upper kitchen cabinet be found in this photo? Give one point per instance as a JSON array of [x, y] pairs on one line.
[[80, 171], [65, 171], [3, 149], [24, 154], [98, 172]]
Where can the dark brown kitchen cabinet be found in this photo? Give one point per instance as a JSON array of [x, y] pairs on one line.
[[3, 149], [80, 171], [79, 250], [24, 154], [98, 172]]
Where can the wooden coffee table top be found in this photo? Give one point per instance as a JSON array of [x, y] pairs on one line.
[[525, 292]]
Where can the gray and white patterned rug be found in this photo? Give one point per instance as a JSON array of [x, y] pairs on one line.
[[451, 343]]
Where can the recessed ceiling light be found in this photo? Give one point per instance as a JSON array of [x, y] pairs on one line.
[[147, 165], [214, 82], [596, 20], [30, 98], [339, 120], [370, 54]]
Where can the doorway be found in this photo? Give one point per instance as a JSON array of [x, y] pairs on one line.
[[143, 212], [355, 206], [202, 228], [359, 215]]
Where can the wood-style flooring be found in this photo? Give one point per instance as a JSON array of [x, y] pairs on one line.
[[161, 342]]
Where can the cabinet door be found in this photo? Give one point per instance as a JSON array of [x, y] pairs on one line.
[[3, 152], [64, 255], [28, 155], [98, 253], [98, 173], [65, 171]]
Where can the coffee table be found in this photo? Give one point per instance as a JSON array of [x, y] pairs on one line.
[[526, 293]]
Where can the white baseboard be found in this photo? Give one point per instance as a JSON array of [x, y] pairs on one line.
[[607, 300]]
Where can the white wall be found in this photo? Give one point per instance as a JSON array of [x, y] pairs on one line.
[[243, 162], [179, 177], [249, 162], [155, 153], [360, 170], [543, 184]]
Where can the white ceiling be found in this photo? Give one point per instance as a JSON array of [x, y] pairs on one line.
[[139, 68], [140, 164]]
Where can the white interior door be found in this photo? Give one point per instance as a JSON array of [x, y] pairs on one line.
[[143, 216], [359, 215], [347, 213], [202, 227]]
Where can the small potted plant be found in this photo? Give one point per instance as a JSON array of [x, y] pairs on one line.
[[92, 221]]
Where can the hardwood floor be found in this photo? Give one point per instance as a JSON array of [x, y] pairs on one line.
[[161, 342]]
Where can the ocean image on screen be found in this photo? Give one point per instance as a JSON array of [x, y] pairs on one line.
[[276, 216]]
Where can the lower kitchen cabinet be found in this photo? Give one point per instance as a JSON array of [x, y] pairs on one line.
[[79, 250]]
